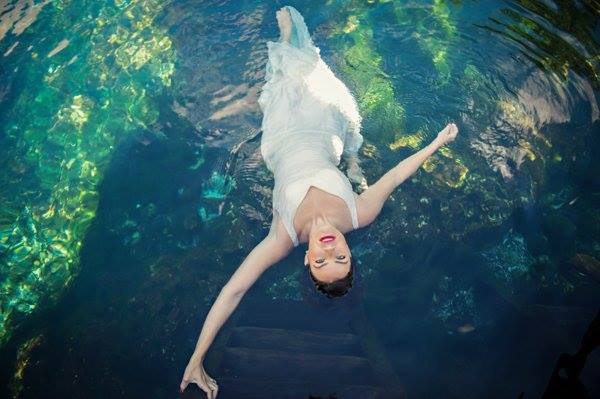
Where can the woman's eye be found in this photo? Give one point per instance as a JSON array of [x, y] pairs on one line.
[[319, 260], [341, 257]]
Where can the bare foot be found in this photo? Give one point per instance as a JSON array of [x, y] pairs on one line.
[[284, 20]]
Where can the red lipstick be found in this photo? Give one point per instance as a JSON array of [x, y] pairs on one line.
[[327, 238]]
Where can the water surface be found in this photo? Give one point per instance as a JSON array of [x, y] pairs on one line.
[[132, 185]]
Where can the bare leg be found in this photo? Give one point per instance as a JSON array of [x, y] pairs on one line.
[[284, 20]]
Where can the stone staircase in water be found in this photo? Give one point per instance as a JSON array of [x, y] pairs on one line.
[[288, 349]]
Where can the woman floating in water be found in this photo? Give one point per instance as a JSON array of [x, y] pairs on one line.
[[310, 120]]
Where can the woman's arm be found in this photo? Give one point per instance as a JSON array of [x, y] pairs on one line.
[[370, 202], [275, 246]]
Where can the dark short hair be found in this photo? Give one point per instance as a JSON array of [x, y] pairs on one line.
[[336, 288]]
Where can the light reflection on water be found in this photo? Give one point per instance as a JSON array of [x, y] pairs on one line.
[[155, 105]]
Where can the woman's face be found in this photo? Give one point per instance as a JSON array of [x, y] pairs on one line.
[[328, 255]]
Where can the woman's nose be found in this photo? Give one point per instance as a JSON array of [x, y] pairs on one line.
[[329, 251]]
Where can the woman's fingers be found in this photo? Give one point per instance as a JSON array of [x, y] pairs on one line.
[[451, 132], [214, 391], [204, 386], [213, 386], [454, 131], [203, 380], [183, 385], [209, 392], [185, 380], [447, 134]]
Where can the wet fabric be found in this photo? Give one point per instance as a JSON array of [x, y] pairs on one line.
[[310, 120]]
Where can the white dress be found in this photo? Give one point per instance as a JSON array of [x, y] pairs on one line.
[[310, 119]]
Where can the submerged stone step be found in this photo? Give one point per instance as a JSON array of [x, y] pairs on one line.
[[250, 388], [273, 364], [296, 341], [295, 316]]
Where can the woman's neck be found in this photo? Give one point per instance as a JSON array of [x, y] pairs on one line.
[[318, 220]]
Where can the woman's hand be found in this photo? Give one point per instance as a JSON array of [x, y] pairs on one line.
[[355, 173], [194, 373], [447, 134]]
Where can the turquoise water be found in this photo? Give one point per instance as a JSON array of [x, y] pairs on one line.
[[132, 186]]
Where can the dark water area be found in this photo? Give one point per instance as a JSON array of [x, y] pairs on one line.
[[132, 186]]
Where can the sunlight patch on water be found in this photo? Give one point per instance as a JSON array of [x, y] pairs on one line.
[[67, 141], [18, 15]]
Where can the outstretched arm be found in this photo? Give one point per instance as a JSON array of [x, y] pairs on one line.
[[370, 202], [275, 246]]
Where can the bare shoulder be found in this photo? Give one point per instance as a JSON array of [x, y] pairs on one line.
[[278, 238]]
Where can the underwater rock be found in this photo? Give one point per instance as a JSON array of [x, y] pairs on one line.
[[587, 265], [560, 232], [585, 170], [434, 29], [566, 196], [481, 236], [146, 137], [207, 215], [510, 260], [4, 88], [503, 158], [561, 316], [537, 244], [446, 169], [23, 361], [190, 220], [288, 287], [588, 225], [526, 218], [234, 227], [544, 264], [455, 306], [218, 186]]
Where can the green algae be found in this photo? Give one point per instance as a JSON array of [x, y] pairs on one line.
[[23, 360], [61, 138], [434, 30], [446, 168], [413, 141], [362, 68]]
